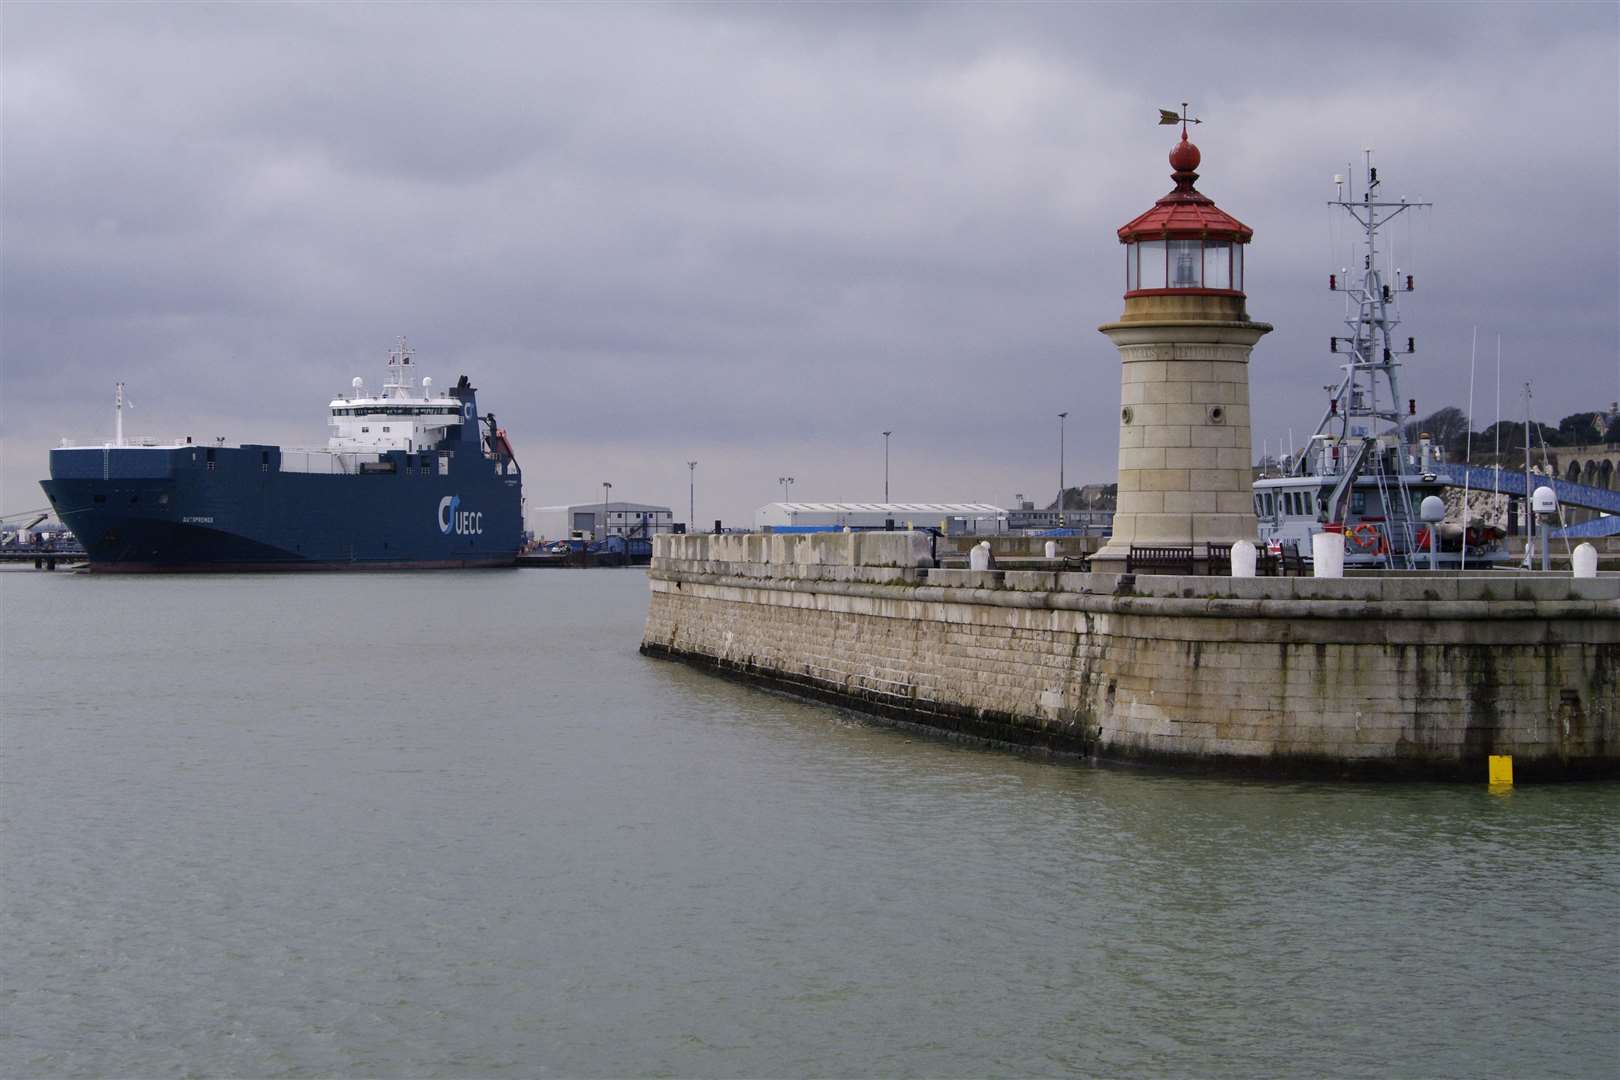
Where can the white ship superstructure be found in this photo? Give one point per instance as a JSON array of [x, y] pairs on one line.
[[400, 417]]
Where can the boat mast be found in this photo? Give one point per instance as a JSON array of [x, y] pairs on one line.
[[400, 380], [118, 416], [1529, 514], [1371, 314]]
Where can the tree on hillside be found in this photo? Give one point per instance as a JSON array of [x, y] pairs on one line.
[[1582, 428], [1089, 497], [1448, 427], [1512, 432]]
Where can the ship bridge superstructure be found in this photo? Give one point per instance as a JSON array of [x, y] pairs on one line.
[[400, 416]]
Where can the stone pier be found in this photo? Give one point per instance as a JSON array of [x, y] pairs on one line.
[[1402, 675]]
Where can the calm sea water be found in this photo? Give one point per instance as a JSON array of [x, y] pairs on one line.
[[451, 824]]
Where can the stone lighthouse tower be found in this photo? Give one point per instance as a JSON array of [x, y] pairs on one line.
[[1184, 448]]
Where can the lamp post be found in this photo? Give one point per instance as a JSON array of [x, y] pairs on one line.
[[886, 435], [1062, 420], [691, 494], [606, 487], [785, 481]]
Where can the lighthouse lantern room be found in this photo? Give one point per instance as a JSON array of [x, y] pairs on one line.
[[1185, 241]]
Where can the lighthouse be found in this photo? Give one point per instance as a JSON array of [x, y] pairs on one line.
[[1185, 467]]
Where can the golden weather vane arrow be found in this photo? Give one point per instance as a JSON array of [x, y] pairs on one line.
[[1167, 116]]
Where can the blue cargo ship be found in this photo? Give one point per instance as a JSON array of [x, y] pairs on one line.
[[409, 478]]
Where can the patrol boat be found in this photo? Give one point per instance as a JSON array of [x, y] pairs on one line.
[[1360, 473], [410, 477]]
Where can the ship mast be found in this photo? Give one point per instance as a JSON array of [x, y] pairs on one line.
[[1368, 397], [400, 379]]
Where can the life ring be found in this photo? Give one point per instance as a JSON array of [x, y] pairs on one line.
[[1367, 538]]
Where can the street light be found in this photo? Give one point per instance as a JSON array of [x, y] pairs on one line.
[[886, 435], [606, 487], [691, 494], [1062, 420], [784, 481]]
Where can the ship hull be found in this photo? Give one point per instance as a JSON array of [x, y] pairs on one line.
[[191, 508]]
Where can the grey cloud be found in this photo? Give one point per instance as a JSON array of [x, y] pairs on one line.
[[765, 231]]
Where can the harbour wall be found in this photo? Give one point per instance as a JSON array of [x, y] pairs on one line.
[[1400, 675]]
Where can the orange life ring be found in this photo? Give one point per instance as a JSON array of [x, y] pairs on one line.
[[1367, 538]]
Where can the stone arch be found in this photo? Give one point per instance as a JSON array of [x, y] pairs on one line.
[[1606, 475], [1590, 474], [1573, 473]]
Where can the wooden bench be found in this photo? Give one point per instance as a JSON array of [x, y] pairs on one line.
[[1159, 560], [1289, 563]]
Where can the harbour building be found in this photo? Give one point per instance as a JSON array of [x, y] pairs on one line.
[[597, 519], [953, 518]]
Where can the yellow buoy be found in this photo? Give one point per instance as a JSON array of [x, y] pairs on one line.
[[1501, 770]]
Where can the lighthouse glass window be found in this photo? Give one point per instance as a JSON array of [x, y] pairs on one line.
[[1184, 264], [1144, 264], [1217, 266]]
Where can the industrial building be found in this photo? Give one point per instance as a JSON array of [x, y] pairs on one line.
[[954, 518], [621, 519], [1088, 509]]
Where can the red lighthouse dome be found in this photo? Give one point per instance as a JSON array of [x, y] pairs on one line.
[[1185, 242]]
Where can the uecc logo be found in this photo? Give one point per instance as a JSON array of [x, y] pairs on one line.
[[453, 519]]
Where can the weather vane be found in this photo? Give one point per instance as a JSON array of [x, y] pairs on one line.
[[1166, 116]]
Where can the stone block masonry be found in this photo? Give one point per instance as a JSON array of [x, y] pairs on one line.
[[1359, 677]]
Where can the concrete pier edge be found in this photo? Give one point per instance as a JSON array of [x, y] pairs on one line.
[[1357, 678]]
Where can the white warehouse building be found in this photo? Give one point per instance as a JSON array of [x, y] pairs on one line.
[[622, 519], [954, 518]]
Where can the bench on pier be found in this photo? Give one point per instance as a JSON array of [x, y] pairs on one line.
[[1211, 560], [1287, 563], [1159, 560]]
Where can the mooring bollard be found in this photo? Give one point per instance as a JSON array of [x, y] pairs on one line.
[[1327, 554], [1584, 560], [979, 556], [1051, 549], [1244, 558]]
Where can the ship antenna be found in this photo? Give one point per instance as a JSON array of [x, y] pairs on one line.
[[119, 401]]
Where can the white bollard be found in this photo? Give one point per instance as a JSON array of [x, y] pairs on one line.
[[1051, 549], [979, 556], [1327, 554], [1584, 559], [1244, 557]]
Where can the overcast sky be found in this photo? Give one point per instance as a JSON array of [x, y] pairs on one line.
[[757, 236]]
